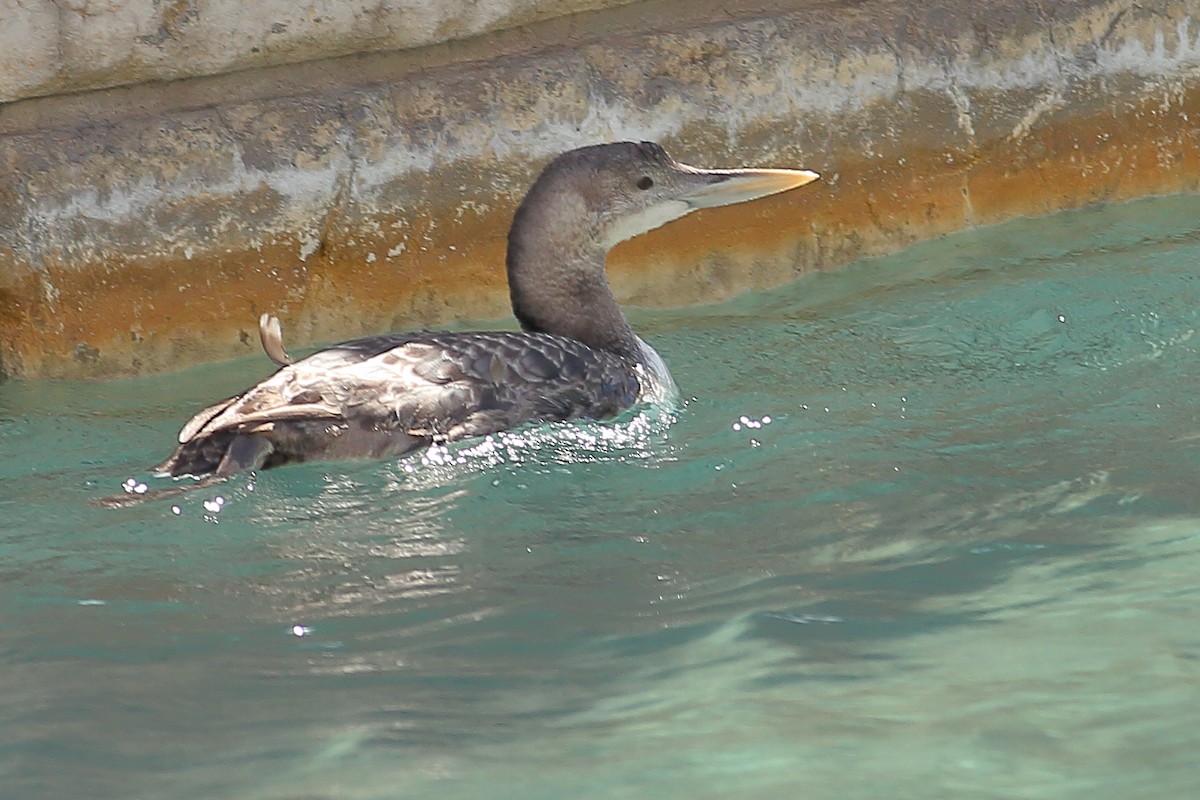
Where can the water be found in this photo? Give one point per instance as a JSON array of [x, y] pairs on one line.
[[961, 559]]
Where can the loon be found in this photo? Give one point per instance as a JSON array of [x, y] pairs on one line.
[[576, 355]]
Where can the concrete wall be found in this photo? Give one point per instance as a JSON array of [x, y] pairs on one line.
[[146, 227], [51, 46]]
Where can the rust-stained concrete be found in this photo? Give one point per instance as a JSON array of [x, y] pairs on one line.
[[145, 228]]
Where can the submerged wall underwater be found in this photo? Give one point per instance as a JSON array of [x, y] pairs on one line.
[[360, 177]]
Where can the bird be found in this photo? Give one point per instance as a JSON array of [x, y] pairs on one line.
[[576, 355]]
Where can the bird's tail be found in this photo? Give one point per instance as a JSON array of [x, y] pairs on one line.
[[210, 459], [222, 452]]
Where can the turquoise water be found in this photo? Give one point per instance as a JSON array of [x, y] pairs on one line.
[[928, 526]]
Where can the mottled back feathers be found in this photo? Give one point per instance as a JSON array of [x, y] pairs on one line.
[[385, 395]]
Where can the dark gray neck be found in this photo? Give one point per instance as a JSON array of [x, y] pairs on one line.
[[557, 282]]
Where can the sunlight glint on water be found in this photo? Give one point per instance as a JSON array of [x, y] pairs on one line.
[[926, 527]]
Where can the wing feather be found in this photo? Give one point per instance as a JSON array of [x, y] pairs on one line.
[[198, 422]]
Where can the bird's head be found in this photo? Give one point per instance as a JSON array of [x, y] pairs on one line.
[[624, 189]]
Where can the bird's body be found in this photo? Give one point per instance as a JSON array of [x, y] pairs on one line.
[[576, 357], [386, 395]]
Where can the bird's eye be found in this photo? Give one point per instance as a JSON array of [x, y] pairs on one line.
[[645, 182]]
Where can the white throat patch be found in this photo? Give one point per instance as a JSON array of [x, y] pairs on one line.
[[647, 219]]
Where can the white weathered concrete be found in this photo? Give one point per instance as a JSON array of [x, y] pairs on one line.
[[51, 46], [783, 83]]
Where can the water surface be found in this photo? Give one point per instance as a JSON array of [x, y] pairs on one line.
[[927, 526]]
